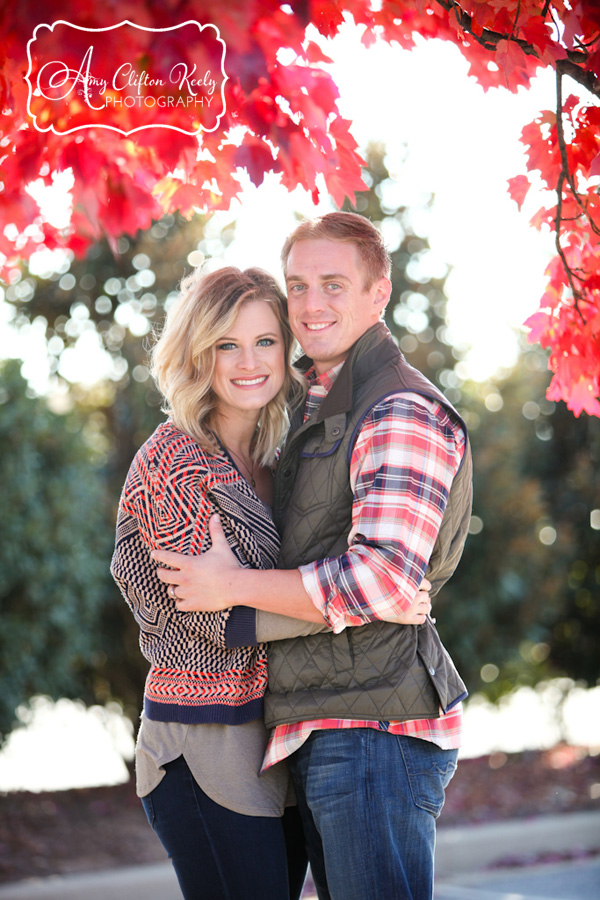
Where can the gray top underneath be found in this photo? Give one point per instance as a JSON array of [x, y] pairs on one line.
[[224, 759]]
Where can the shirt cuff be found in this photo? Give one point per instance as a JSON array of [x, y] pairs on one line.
[[240, 628], [314, 589]]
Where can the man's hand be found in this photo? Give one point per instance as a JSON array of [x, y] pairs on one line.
[[200, 582], [420, 608]]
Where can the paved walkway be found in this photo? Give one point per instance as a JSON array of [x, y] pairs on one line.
[[578, 880], [463, 858]]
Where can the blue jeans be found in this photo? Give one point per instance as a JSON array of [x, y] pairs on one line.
[[218, 854], [368, 801]]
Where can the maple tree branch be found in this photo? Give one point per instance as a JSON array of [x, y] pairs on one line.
[[568, 271], [562, 145], [585, 78], [590, 43], [517, 14], [572, 65], [564, 175]]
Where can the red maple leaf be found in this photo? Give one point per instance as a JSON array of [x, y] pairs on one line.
[[256, 158], [514, 63], [518, 188]]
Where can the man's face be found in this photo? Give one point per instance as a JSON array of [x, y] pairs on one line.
[[329, 308]]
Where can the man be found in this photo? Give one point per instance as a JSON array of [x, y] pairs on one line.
[[373, 491]]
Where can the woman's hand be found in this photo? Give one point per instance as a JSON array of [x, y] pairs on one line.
[[200, 583]]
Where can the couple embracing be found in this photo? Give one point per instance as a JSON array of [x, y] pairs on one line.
[[299, 702]]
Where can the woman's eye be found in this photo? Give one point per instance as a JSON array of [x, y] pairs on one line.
[[227, 346], [266, 342]]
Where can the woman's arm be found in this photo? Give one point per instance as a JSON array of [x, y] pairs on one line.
[[164, 505]]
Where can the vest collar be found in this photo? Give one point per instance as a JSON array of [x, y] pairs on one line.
[[375, 343]]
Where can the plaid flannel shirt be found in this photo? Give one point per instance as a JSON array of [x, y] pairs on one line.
[[404, 460]]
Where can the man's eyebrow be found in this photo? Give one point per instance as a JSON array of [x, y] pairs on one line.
[[333, 276]]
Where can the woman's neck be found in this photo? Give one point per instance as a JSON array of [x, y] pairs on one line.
[[236, 432]]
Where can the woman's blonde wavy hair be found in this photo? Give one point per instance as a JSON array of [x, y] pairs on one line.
[[183, 357]]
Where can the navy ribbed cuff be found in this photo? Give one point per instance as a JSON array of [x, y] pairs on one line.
[[240, 628]]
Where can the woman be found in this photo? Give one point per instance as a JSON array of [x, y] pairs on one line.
[[223, 366]]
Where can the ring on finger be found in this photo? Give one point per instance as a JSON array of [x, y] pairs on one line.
[[171, 592]]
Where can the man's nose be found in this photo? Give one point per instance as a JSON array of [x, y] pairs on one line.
[[313, 300]]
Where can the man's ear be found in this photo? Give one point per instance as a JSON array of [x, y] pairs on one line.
[[383, 290]]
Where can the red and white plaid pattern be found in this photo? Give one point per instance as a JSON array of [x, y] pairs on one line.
[[401, 470]]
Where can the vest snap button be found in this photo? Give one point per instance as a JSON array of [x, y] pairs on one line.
[[335, 431], [431, 671]]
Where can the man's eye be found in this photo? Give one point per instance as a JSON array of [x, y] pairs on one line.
[[296, 288]]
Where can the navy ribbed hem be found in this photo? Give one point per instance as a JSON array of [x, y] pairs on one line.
[[240, 628], [215, 713]]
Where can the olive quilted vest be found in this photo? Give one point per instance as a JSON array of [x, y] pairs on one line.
[[378, 671]]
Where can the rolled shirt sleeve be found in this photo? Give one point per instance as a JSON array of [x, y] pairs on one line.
[[407, 453]]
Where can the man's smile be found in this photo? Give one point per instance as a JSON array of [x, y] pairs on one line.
[[318, 326]]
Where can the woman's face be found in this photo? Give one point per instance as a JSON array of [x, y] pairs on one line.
[[250, 360]]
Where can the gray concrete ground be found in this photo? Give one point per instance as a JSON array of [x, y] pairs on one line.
[[560, 881], [463, 860], [471, 862]]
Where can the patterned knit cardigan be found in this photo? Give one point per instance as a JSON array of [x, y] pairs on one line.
[[172, 489]]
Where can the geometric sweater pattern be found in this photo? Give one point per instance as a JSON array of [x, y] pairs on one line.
[[172, 489]]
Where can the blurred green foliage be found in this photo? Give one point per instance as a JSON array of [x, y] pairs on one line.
[[61, 523], [524, 604], [54, 541]]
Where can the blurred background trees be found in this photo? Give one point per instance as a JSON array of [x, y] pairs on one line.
[[82, 438], [54, 540], [524, 604]]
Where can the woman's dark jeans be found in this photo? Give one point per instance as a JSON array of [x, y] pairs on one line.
[[218, 854]]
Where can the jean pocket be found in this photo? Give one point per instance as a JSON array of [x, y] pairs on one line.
[[149, 809], [429, 770]]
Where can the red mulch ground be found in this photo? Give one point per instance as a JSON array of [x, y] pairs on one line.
[[97, 828]]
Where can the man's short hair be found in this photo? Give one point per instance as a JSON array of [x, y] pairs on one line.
[[347, 228]]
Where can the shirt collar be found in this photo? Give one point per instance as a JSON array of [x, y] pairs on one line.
[[326, 380]]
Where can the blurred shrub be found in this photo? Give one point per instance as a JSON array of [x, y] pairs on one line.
[[53, 551]]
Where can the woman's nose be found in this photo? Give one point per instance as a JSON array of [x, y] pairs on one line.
[[248, 358]]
